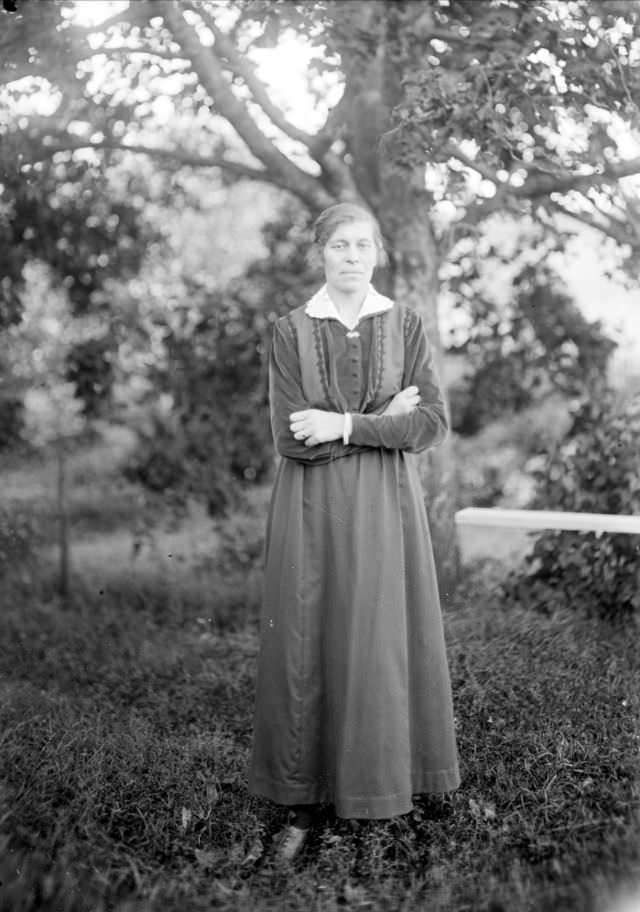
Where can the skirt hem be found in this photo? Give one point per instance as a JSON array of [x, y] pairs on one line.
[[380, 807]]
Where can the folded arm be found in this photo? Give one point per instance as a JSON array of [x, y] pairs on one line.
[[426, 424], [287, 397], [413, 429]]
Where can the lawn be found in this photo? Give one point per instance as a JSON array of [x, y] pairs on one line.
[[125, 725]]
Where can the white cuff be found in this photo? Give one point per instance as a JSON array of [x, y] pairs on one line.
[[348, 427]]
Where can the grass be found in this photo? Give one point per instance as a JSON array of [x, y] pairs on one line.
[[125, 724]]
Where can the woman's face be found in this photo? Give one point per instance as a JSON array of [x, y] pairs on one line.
[[350, 256]]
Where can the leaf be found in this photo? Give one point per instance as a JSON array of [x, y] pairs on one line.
[[213, 795], [355, 896], [205, 860], [482, 810], [333, 839], [255, 853], [222, 889]]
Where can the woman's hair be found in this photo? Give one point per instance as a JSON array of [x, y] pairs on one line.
[[331, 218]]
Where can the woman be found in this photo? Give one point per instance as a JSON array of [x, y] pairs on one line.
[[353, 702]]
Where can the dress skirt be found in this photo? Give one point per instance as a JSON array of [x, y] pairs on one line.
[[353, 699]]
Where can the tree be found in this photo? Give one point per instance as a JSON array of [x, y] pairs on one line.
[[507, 106], [71, 215], [37, 351], [521, 350]]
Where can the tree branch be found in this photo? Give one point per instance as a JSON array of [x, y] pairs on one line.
[[608, 227], [335, 178], [242, 67], [180, 156], [331, 128], [434, 34], [8, 75], [542, 184], [420, 21], [454, 151], [281, 169], [123, 48]]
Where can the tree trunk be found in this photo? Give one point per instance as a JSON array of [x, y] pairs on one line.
[[399, 199], [414, 267], [63, 522], [402, 205]]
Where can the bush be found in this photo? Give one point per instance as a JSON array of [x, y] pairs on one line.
[[518, 353], [11, 421], [235, 567], [19, 538], [595, 470], [215, 443], [90, 366], [241, 542], [181, 467], [494, 467]]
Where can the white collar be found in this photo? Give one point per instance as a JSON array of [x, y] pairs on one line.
[[322, 307]]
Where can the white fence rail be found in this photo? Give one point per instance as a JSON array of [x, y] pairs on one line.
[[548, 519]]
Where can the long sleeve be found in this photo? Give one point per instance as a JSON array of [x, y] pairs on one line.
[[426, 426], [286, 396]]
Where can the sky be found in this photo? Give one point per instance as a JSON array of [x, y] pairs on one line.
[[92, 12]]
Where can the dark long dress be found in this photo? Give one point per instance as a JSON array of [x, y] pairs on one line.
[[353, 701]]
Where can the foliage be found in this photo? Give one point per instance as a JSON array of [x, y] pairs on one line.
[[52, 415], [495, 466], [536, 343], [69, 217], [35, 352], [216, 433], [68, 214], [90, 368], [20, 536], [596, 469], [483, 93], [240, 542], [518, 72], [215, 436], [11, 420], [284, 278]]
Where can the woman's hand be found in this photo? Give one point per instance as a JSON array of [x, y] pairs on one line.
[[404, 402], [315, 426]]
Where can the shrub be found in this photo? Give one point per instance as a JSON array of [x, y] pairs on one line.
[[215, 443], [233, 571], [19, 538], [596, 469], [11, 421], [90, 366], [494, 467], [519, 352]]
